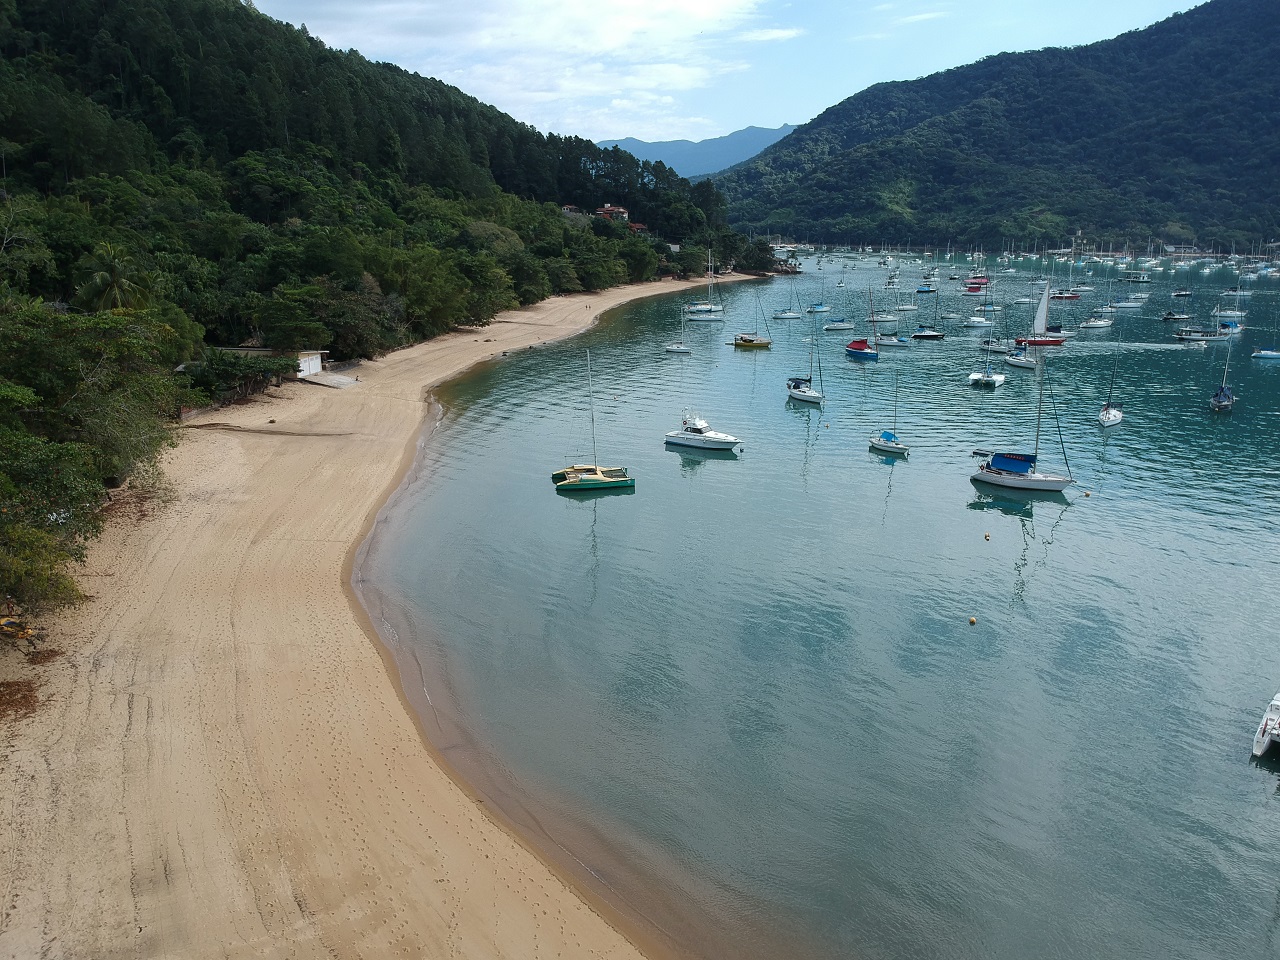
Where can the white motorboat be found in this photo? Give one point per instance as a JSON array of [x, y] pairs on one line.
[[1269, 729], [695, 432], [977, 322]]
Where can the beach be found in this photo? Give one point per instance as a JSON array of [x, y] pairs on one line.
[[221, 762]]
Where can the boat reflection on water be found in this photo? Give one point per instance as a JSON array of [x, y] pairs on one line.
[[692, 458], [1019, 503], [581, 496]]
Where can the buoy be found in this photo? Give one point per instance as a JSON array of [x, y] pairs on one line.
[[986, 536], [1086, 493], [972, 621]]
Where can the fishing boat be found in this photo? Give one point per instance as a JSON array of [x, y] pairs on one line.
[[801, 388], [1200, 334], [888, 441], [701, 309], [1112, 413], [1269, 729], [695, 432], [679, 345], [1223, 399], [591, 476], [1018, 470]]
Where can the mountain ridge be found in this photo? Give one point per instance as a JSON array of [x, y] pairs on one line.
[[1138, 136], [698, 158]]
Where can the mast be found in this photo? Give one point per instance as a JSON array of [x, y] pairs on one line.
[[590, 398]]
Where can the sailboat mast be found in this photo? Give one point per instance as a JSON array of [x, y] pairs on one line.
[[591, 404], [1040, 369]]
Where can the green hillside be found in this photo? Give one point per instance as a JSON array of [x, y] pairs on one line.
[[181, 174], [1168, 132]]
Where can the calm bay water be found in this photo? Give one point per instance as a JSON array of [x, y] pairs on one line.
[[747, 698]]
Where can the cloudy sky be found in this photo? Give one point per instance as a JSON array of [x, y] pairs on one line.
[[693, 69]]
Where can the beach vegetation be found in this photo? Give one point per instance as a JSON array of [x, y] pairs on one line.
[[185, 177]]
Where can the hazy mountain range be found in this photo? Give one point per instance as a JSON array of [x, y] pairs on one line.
[[694, 159]]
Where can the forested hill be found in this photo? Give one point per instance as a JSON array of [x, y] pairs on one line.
[[1170, 132], [178, 174], [237, 160]]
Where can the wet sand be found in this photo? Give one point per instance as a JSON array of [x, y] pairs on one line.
[[221, 763]]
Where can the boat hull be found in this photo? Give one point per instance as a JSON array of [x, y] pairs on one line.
[[1021, 481], [888, 446]]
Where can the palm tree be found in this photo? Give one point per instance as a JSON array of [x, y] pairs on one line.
[[112, 280]]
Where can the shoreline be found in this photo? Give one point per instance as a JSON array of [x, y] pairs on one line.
[[217, 765]]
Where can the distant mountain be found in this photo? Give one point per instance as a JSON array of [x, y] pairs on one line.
[[693, 159], [1171, 131]]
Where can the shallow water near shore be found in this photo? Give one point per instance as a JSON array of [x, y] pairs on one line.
[[747, 698]]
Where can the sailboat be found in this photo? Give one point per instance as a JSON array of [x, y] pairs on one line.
[[1223, 399], [678, 346], [988, 376], [888, 441], [701, 309], [1112, 413], [801, 388], [754, 340], [1018, 470], [1040, 335], [789, 312], [860, 348], [590, 476]]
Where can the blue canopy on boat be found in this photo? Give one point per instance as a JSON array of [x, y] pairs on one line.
[[1013, 462]]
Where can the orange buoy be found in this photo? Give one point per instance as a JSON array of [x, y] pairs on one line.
[[972, 621]]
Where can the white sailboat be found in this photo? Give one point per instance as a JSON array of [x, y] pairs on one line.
[[704, 309], [679, 345], [888, 441], [1018, 471], [1112, 413], [801, 388]]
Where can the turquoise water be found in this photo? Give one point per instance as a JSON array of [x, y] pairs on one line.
[[746, 701]]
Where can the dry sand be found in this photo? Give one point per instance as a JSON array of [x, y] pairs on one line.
[[220, 765]]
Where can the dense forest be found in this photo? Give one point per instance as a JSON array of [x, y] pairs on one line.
[[183, 174], [1171, 132]]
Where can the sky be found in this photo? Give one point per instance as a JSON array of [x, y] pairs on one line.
[[695, 69]]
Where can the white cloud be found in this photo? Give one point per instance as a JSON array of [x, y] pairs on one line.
[[770, 35], [546, 63], [918, 18]]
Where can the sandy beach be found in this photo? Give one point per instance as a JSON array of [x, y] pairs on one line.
[[220, 763]]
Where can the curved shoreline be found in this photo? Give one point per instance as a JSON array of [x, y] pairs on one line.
[[218, 766]]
